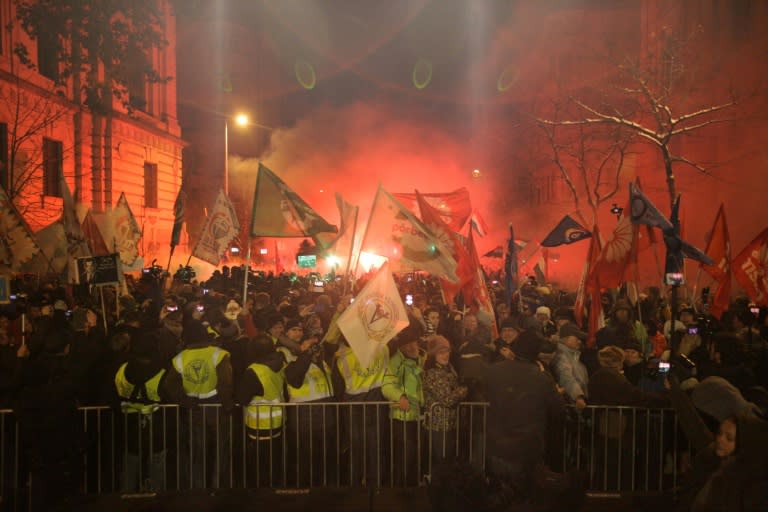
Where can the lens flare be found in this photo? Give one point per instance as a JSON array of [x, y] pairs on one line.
[[422, 74], [305, 74]]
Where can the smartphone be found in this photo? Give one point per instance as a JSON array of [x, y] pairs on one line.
[[693, 330], [409, 300], [205, 291], [674, 278], [200, 308], [171, 308], [664, 367], [319, 284], [754, 310]]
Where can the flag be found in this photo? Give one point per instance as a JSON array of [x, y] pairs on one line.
[[179, 213], [750, 268], [221, 227], [610, 266], [395, 233], [77, 245], [375, 317], [340, 243], [453, 245], [677, 248], [278, 211], [454, 207], [475, 291], [126, 232], [496, 252], [567, 231], [643, 211], [510, 267], [93, 235], [582, 292], [540, 268], [719, 249], [17, 244], [478, 223]]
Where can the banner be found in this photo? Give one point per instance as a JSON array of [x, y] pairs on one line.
[[77, 245], [221, 227], [567, 231], [750, 268], [99, 270], [278, 211], [395, 233], [92, 235], [179, 213], [17, 244], [375, 316], [643, 211], [609, 268], [454, 207], [476, 289], [126, 232]]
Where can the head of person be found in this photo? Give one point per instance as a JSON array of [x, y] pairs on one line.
[[571, 336], [408, 339], [232, 309], [294, 331], [611, 358], [439, 349], [633, 353], [543, 314], [527, 346], [687, 316], [173, 322], [195, 332], [725, 442], [260, 347], [275, 326], [508, 331], [470, 322], [432, 316], [622, 311]]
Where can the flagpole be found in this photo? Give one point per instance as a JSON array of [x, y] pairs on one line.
[[247, 268], [367, 225], [348, 277], [276, 260], [103, 308]]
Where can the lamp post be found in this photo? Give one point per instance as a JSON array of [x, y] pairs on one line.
[[240, 120]]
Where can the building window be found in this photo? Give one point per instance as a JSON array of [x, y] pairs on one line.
[[150, 185], [137, 84], [5, 176], [52, 167], [48, 57]]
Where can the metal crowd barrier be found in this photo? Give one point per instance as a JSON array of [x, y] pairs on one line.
[[331, 444], [624, 449]]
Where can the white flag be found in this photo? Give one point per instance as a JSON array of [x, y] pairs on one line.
[[375, 317], [126, 232], [221, 227], [77, 245], [396, 234]]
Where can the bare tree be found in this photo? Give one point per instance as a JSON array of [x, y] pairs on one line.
[[655, 97]]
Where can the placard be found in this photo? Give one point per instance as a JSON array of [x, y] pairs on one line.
[[99, 270]]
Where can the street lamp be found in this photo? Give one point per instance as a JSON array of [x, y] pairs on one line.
[[240, 120], [617, 211]]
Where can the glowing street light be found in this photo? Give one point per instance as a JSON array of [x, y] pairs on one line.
[[476, 173], [240, 119]]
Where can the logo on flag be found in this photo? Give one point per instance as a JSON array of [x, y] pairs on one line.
[[220, 229], [126, 232], [567, 231], [643, 211]]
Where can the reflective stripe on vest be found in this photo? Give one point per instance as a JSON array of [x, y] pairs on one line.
[[197, 367], [316, 386], [138, 404], [358, 380], [259, 416]]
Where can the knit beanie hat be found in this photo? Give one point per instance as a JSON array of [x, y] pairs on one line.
[[527, 346], [437, 344], [544, 310], [611, 357]]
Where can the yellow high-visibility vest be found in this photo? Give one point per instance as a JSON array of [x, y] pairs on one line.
[[138, 403], [197, 367], [316, 386], [358, 380], [261, 413]]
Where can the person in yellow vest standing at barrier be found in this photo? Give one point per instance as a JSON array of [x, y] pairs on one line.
[[403, 386], [261, 393], [202, 381], [312, 425], [140, 385], [360, 385]]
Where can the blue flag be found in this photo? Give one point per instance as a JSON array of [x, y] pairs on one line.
[[567, 231]]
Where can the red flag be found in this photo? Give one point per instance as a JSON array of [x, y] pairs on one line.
[[719, 249], [454, 207], [610, 267], [587, 289], [93, 236], [750, 268], [476, 290], [452, 243]]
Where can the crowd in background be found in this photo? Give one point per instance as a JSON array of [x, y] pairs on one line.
[[193, 343]]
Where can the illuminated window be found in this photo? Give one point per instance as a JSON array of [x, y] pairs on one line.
[[150, 185], [52, 167]]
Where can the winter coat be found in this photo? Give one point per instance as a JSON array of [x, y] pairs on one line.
[[404, 377], [442, 394], [571, 372]]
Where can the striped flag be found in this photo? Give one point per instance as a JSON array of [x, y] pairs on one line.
[[179, 212]]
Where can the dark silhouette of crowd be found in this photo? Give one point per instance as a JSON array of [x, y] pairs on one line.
[[196, 344]]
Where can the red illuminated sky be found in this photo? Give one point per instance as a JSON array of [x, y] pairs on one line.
[[370, 116]]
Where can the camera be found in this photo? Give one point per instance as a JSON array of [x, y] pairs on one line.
[[674, 278], [693, 329], [200, 308], [409, 300]]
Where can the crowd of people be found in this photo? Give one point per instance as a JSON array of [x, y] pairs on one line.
[[196, 343]]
